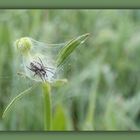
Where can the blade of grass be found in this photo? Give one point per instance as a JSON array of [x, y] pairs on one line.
[[69, 48], [59, 118], [7, 109], [90, 116]]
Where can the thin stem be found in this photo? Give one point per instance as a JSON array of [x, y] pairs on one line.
[[47, 106], [90, 118], [16, 99]]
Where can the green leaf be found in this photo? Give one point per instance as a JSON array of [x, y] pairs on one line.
[[59, 82], [69, 48], [59, 119], [15, 100]]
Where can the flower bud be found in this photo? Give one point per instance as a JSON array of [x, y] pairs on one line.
[[24, 45]]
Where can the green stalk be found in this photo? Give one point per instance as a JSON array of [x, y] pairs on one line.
[[47, 106], [19, 96], [90, 117]]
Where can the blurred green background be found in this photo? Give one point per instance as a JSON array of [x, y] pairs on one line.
[[103, 92]]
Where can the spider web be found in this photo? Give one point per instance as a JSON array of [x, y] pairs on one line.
[[45, 55], [15, 81]]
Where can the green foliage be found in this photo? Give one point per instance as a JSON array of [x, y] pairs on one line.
[[59, 119], [103, 88], [47, 106], [15, 100], [69, 48]]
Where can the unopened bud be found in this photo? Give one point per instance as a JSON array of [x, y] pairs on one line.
[[24, 45]]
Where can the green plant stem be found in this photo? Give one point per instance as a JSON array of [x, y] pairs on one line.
[[90, 118], [47, 106]]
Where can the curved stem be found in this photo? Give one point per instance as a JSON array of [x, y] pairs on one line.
[[16, 99]]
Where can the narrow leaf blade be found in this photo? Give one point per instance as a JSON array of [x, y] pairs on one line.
[[69, 48], [7, 109]]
